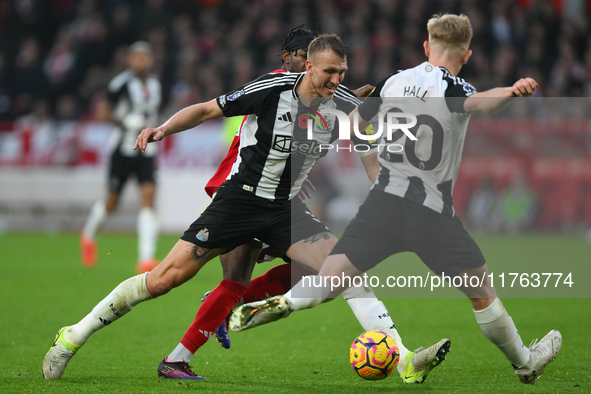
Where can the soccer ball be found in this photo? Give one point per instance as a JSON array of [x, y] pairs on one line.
[[374, 355]]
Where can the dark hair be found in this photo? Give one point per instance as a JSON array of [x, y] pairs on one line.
[[328, 41], [298, 38]]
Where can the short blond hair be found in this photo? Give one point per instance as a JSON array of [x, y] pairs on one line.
[[452, 32], [327, 42]]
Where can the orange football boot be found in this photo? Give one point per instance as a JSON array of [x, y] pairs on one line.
[[88, 251]]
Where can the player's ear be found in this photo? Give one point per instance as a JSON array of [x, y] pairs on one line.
[[466, 56], [308, 65], [286, 57], [427, 47]]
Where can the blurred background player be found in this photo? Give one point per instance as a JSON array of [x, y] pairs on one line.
[[132, 103]]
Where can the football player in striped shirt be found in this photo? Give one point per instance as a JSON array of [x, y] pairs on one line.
[[238, 263], [132, 103]]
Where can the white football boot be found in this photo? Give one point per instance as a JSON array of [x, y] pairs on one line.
[[60, 352], [541, 354]]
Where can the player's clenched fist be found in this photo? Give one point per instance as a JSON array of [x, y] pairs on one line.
[[146, 136], [524, 87]]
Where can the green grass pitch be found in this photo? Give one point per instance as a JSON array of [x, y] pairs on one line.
[[44, 287]]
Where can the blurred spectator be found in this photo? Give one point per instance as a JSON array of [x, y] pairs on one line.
[[483, 213], [5, 100], [57, 45], [28, 72], [518, 205], [40, 113]]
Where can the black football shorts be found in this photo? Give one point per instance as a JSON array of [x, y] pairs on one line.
[[121, 167], [387, 224], [236, 216]]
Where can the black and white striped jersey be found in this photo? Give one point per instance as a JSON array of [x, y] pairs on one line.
[[275, 155], [422, 170], [131, 97]]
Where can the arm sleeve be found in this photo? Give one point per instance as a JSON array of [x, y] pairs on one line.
[[248, 99], [456, 94]]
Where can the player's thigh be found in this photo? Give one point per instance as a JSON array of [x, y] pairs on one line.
[[181, 264], [308, 240], [238, 263], [339, 265]]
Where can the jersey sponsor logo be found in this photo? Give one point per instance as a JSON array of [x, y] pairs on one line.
[[311, 147], [235, 95], [282, 143], [286, 144], [203, 235]]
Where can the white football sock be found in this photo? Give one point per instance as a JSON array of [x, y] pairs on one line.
[[180, 354], [95, 220], [147, 227], [121, 300], [373, 315], [308, 292], [498, 327]]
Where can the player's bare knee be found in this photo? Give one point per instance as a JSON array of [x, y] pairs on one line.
[[479, 304], [158, 284]]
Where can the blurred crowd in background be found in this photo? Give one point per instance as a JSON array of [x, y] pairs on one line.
[[56, 56]]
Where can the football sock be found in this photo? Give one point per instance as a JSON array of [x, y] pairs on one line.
[[275, 281], [498, 327], [121, 300], [211, 314], [308, 292], [147, 227], [180, 354], [95, 220], [373, 315]]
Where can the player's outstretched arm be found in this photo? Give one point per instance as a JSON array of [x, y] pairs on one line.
[[496, 99], [185, 119]]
